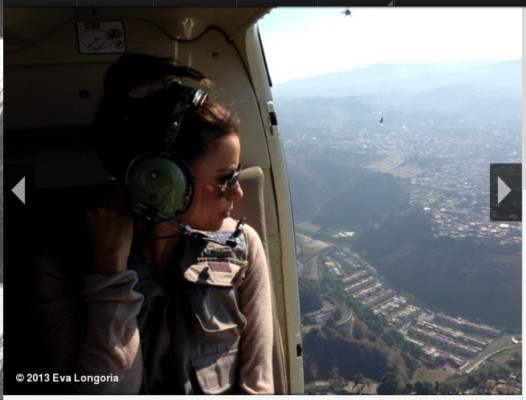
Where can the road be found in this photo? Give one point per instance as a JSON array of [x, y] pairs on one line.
[[493, 349]]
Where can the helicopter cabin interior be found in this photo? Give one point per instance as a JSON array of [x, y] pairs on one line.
[[54, 62]]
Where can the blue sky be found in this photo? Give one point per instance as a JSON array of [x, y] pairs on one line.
[[302, 42]]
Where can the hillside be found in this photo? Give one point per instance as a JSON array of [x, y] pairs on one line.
[[391, 162], [413, 187]]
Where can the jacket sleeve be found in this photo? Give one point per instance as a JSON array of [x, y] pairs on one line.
[[91, 338], [257, 337]]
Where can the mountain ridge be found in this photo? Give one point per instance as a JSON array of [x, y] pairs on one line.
[[409, 78]]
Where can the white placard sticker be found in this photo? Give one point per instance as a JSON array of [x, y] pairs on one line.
[[101, 37]]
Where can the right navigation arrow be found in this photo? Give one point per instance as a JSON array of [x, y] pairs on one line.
[[502, 190], [505, 192]]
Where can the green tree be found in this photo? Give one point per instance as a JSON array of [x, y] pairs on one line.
[[388, 339], [447, 387], [358, 378], [408, 389], [389, 384], [423, 387], [310, 298], [331, 322], [357, 332]]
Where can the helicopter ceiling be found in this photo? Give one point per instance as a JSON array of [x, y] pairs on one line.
[[182, 24]]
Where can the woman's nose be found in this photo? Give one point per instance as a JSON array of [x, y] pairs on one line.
[[236, 192]]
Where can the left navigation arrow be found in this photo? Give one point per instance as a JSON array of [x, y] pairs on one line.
[[20, 190]]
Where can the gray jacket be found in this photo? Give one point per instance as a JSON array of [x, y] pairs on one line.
[[207, 329]]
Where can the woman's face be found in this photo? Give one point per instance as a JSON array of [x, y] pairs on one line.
[[209, 208]]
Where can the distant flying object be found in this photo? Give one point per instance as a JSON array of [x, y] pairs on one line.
[[347, 13], [381, 120]]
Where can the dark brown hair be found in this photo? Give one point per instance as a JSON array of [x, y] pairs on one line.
[[201, 129], [126, 127]]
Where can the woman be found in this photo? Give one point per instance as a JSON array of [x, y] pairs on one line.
[[167, 307]]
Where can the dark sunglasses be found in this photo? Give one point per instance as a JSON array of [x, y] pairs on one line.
[[230, 182]]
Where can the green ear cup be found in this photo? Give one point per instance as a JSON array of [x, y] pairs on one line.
[[157, 182]]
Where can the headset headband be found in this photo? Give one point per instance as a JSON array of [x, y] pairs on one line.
[[187, 98], [181, 98]]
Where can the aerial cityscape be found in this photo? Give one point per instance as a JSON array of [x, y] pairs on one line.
[[444, 340], [391, 201]]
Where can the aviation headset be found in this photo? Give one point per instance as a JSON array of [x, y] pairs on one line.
[[136, 128], [161, 184]]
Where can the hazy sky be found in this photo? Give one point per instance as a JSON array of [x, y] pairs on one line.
[[301, 42]]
